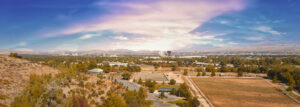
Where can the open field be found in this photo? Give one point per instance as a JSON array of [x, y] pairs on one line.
[[229, 92], [151, 75]]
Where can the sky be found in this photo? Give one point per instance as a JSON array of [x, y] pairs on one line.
[[187, 25]]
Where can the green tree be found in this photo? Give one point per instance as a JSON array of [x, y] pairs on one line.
[[210, 68], [275, 79], [162, 95], [194, 102], [213, 73], [137, 99], [15, 55], [198, 74], [151, 85], [224, 69], [185, 72], [200, 69], [172, 82], [183, 91], [126, 75]]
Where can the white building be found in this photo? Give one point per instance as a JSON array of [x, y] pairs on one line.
[[95, 71], [117, 64]]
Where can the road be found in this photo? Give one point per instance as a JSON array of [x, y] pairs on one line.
[[204, 102]]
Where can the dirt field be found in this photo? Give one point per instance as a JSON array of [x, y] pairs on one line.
[[242, 92]]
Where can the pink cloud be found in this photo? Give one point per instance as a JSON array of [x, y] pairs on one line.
[[162, 25]]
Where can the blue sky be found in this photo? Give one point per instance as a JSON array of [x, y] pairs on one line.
[[52, 25]]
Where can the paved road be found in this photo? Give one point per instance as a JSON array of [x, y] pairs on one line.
[[197, 93]]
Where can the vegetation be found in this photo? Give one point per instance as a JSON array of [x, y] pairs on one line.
[[137, 98], [114, 100], [15, 55], [184, 91], [203, 73], [126, 75], [151, 85], [172, 82], [287, 74], [185, 72], [162, 95], [278, 68]]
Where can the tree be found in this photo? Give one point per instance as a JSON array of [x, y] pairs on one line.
[[172, 82], [114, 100], [15, 55], [290, 88], [224, 69], [198, 74], [173, 92], [174, 67], [150, 84], [240, 73], [200, 69], [185, 72], [137, 98], [126, 75], [210, 68], [213, 73], [156, 67], [203, 73], [162, 95], [194, 102], [140, 81], [275, 79], [183, 91]]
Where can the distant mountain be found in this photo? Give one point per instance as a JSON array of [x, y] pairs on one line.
[[258, 49]]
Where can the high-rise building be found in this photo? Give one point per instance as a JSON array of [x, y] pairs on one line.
[[168, 53]]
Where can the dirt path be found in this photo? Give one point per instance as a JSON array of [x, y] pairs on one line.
[[204, 102]]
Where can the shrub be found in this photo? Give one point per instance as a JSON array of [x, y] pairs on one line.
[[172, 82]]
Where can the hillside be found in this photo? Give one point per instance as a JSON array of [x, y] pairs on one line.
[[14, 76]]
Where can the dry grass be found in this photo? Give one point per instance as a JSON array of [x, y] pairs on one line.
[[14, 76], [242, 92]]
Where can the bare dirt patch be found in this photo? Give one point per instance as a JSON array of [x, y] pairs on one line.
[[232, 92], [14, 76]]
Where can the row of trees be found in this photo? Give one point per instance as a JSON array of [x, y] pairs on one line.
[[183, 91], [287, 74]]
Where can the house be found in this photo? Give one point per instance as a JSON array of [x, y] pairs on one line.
[[100, 64], [95, 71]]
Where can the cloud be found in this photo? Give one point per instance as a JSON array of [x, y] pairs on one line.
[[67, 46], [87, 36], [23, 49], [22, 44], [267, 29], [224, 22], [121, 37], [255, 38], [161, 25]]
